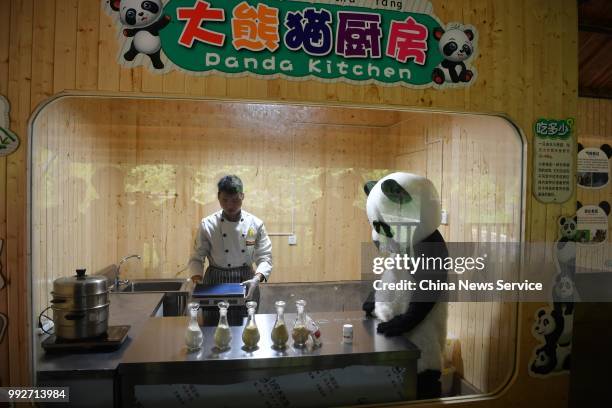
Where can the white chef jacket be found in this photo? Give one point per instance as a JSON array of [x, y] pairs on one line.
[[229, 244]]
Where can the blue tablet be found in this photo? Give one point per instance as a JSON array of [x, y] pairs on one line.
[[218, 290]]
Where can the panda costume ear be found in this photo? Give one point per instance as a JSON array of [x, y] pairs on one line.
[[607, 150], [580, 147], [367, 187], [438, 33], [561, 221], [114, 4], [541, 313], [604, 205], [470, 34]]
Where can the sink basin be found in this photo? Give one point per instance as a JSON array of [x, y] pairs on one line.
[[153, 286], [175, 292]]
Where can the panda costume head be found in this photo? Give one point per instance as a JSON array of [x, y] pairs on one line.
[[403, 209], [138, 13]]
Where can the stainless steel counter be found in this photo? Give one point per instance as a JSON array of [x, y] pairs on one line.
[[162, 342], [132, 309], [159, 356]]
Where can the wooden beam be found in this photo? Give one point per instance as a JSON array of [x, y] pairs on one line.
[[595, 27], [595, 93]]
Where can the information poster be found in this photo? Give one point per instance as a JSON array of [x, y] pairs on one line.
[[553, 153], [593, 166], [592, 225]]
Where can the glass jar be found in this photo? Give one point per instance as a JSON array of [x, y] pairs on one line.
[[279, 335], [300, 331], [250, 334], [223, 334], [193, 334]]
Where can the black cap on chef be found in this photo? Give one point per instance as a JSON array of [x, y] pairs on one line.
[[230, 184]]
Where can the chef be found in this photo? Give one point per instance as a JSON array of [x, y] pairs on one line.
[[232, 240]]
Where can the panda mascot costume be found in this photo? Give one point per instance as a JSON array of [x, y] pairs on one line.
[[404, 212]]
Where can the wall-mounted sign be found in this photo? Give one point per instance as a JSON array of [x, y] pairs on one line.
[[593, 166], [553, 160], [358, 41], [592, 225], [9, 142]]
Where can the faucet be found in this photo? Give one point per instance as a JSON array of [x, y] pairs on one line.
[[117, 280]]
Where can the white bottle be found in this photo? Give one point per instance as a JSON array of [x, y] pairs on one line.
[[193, 335], [347, 334]]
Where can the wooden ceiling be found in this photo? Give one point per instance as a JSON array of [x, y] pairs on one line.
[[595, 48]]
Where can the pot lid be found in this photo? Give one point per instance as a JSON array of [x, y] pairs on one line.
[[80, 284]]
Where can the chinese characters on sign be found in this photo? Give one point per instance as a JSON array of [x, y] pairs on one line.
[[553, 152], [328, 41]]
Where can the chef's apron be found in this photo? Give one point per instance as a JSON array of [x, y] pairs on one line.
[[215, 274]]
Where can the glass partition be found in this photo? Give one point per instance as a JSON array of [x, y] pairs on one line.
[[115, 176]]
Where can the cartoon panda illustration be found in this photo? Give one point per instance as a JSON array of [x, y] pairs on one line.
[[404, 212], [142, 20], [549, 325], [552, 358], [553, 327], [567, 227], [555, 330], [456, 47]]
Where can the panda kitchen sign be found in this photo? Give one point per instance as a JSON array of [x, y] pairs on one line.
[[387, 42]]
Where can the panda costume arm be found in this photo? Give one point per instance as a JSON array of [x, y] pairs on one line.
[[422, 302]]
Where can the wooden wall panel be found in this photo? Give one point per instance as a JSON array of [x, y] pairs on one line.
[[5, 13], [527, 69]]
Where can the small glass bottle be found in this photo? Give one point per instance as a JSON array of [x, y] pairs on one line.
[[250, 334], [300, 331], [193, 335], [315, 332], [280, 335], [223, 334]]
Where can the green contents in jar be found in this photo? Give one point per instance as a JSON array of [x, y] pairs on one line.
[[250, 336], [223, 337], [300, 335], [280, 335]]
